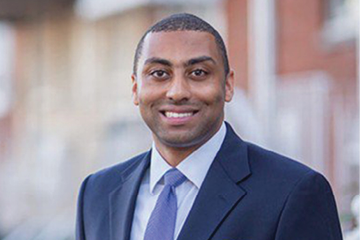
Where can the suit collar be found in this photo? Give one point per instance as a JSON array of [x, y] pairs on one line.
[[122, 199], [218, 194], [233, 156], [220, 191]]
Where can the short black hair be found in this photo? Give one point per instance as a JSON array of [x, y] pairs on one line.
[[183, 22]]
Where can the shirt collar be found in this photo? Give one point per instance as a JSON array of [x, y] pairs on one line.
[[158, 167], [194, 167]]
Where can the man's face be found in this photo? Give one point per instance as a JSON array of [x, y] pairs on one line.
[[180, 87]]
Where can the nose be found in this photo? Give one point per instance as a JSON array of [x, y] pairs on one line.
[[179, 89]]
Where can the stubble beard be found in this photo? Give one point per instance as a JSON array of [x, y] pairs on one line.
[[191, 138]]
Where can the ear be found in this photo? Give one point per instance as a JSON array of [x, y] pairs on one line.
[[229, 86], [134, 89]]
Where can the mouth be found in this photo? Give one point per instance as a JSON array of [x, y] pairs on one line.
[[179, 115], [169, 114]]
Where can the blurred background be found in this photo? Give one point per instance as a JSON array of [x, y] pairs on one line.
[[65, 95]]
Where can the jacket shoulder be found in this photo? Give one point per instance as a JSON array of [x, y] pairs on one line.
[[120, 167], [273, 169], [108, 178], [259, 156]]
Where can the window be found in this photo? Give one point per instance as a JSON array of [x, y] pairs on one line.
[[341, 23], [334, 7]]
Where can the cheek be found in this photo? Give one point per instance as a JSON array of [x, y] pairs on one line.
[[149, 96], [145, 94], [211, 94]]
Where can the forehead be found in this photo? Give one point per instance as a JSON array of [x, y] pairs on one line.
[[180, 46]]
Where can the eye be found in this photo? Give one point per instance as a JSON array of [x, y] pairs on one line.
[[199, 73], [159, 74]]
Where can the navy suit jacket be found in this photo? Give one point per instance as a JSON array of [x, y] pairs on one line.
[[248, 194]]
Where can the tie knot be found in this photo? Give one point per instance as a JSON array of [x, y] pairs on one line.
[[174, 177]]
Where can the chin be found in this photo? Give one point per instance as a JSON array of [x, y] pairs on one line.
[[182, 141]]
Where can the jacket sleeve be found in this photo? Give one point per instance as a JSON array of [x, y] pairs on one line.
[[310, 211], [80, 231]]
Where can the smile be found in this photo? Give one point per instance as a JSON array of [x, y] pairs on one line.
[[178, 115]]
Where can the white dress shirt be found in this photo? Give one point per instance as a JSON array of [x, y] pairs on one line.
[[194, 167]]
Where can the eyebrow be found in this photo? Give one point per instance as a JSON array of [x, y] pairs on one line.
[[161, 61], [190, 62], [197, 60]]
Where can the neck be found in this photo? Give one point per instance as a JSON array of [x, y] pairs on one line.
[[174, 155]]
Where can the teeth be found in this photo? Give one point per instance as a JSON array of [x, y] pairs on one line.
[[177, 115]]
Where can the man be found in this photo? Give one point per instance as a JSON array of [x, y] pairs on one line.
[[200, 180]]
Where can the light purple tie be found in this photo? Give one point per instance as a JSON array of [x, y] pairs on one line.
[[161, 225]]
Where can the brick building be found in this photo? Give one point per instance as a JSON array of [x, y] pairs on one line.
[[297, 61], [66, 103]]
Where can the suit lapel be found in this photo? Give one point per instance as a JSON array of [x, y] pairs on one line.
[[219, 192], [122, 200]]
